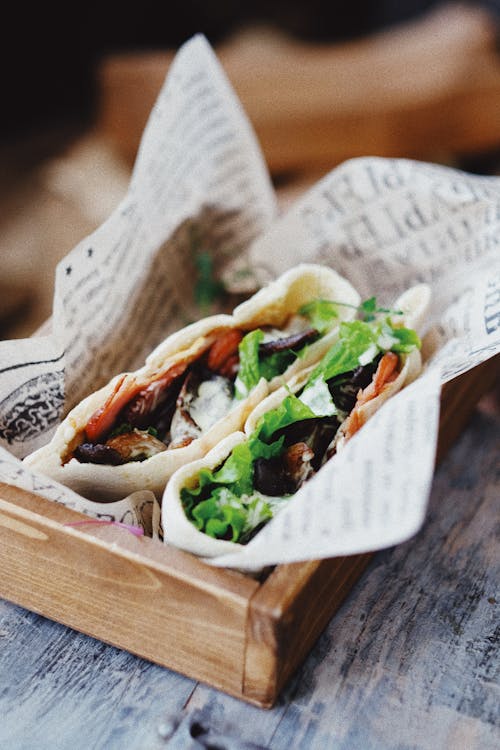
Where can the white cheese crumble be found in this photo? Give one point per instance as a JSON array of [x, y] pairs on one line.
[[319, 399], [368, 355], [386, 341], [212, 403]]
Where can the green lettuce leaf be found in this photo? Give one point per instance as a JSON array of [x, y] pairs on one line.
[[249, 370], [254, 366], [408, 339], [225, 516], [369, 310], [236, 473], [220, 513], [360, 342], [276, 363], [355, 338], [223, 503], [321, 313], [289, 411]]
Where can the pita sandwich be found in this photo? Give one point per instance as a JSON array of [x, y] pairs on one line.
[[217, 504]]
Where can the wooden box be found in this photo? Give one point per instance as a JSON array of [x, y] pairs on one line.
[[241, 635]]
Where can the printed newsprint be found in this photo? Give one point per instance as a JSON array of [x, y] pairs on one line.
[[200, 184]]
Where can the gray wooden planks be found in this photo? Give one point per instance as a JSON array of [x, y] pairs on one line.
[[409, 661], [61, 689]]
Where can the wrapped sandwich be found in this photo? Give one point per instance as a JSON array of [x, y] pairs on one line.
[[195, 388], [217, 504]]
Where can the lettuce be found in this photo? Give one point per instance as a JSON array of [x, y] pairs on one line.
[[254, 366], [225, 516], [224, 504], [221, 502], [407, 340], [276, 363], [290, 410], [355, 338], [359, 343], [220, 514], [321, 313], [369, 310], [249, 370]]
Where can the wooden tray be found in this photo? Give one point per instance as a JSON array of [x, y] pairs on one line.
[[243, 636]]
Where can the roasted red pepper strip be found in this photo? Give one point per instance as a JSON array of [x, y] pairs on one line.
[[224, 348], [103, 419], [150, 395], [386, 372]]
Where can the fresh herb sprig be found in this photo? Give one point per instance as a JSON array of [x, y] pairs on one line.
[[321, 309]]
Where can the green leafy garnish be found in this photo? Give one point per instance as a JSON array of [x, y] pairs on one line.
[[290, 410], [368, 310], [225, 516], [207, 289], [321, 313], [222, 504], [359, 343], [254, 365], [355, 338], [408, 340], [276, 363], [249, 371], [236, 473], [216, 515]]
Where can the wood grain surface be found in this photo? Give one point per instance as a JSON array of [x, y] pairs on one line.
[[409, 661], [135, 593]]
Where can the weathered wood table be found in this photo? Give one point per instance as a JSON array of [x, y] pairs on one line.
[[409, 661]]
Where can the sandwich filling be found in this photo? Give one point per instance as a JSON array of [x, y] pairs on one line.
[[174, 407]]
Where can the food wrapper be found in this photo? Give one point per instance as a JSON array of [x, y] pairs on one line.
[[200, 197]]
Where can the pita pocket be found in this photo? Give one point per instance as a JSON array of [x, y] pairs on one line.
[[217, 504]]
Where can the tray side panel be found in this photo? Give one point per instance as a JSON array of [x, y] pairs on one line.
[[286, 617], [459, 398], [167, 614]]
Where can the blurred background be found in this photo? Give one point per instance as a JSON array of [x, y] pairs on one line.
[[320, 81]]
